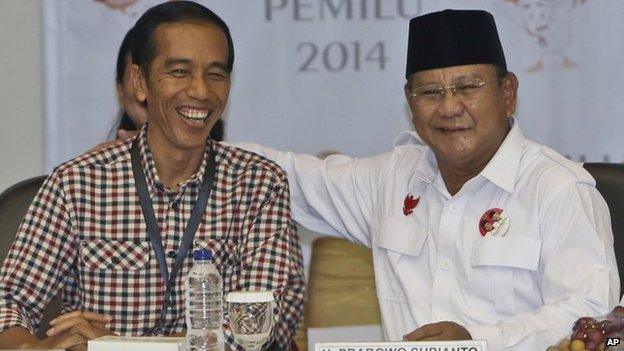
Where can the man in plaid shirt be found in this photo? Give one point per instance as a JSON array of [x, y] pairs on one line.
[[85, 236]]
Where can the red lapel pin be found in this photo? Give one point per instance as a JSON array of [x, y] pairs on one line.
[[409, 204]]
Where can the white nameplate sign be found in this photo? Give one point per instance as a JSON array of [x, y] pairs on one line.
[[148, 343], [467, 345]]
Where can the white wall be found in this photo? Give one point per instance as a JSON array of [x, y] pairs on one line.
[[20, 91]]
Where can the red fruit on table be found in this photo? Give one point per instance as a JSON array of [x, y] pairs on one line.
[[617, 311], [617, 322], [606, 326], [590, 346], [584, 323], [594, 336], [579, 334]]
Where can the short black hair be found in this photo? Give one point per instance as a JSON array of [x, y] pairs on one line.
[[143, 45], [124, 50], [501, 72]]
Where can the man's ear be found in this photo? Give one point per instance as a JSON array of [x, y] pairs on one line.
[[139, 83], [408, 96], [510, 92]]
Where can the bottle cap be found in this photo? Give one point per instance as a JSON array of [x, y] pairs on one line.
[[202, 255], [249, 296]]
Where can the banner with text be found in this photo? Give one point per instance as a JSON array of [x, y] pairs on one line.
[[315, 75]]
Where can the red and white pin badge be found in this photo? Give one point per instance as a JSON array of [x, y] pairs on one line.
[[494, 222], [409, 204]]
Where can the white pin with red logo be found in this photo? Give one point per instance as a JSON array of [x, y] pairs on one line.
[[494, 222]]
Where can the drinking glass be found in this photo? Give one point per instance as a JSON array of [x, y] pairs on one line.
[[251, 317]]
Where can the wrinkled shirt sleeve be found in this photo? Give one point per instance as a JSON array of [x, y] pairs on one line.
[[335, 195]]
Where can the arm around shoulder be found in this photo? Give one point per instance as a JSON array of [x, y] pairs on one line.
[[336, 195]]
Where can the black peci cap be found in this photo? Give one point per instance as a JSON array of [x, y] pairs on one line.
[[453, 38]]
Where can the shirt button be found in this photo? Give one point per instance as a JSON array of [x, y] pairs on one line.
[[446, 264], [175, 205], [452, 208], [172, 254], [441, 318]]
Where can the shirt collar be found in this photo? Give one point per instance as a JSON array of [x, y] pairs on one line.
[[147, 161], [426, 167], [501, 170]]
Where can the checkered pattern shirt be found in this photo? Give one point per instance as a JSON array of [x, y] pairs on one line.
[[84, 236]]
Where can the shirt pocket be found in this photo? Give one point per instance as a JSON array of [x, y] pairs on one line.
[[115, 255], [498, 266], [224, 252], [226, 259], [399, 259]]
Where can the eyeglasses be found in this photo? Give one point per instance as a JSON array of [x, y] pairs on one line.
[[465, 89]]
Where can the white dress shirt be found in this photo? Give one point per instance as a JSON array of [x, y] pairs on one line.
[[521, 289]]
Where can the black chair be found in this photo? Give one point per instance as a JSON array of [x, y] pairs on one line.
[[610, 183], [14, 203]]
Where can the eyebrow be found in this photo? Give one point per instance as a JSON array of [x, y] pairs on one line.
[[176, 60], [172, 61]]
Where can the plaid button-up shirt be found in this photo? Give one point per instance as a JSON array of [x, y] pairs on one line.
[[84, 235]]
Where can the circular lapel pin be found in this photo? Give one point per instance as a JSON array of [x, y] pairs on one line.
[[494, 222]]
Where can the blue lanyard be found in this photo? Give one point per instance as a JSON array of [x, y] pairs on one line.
[[154, 232]]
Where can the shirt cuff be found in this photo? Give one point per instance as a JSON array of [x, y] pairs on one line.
[[10, 318], [491, 333]]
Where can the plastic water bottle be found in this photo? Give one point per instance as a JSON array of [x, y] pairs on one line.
[[204, 304]]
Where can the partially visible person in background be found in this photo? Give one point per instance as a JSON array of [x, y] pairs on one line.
[[132, 113]]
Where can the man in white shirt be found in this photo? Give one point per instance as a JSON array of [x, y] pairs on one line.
[[476, 231]]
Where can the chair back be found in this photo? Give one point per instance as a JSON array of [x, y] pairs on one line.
[[610, 183], [14, 203], [341, 286]]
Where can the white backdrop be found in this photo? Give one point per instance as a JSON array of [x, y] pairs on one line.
[[313, 75]]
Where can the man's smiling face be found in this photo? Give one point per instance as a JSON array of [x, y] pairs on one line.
[[187, 85], [463, 132]]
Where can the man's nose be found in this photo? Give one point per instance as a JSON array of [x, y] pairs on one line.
[[199, 87], [450, 105]]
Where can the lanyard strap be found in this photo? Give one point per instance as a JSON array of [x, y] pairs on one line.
[[154, 232]]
